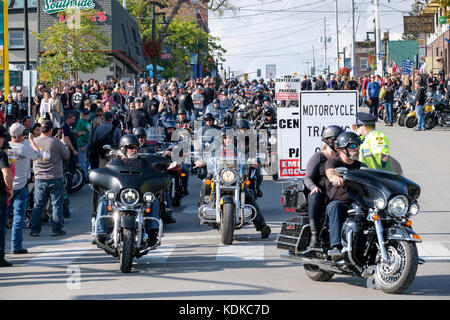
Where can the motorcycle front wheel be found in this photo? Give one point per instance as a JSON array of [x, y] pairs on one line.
[[127, 254], [397, 275], [227, 224], [430, 122], [411, 122], [77, 181], [401, 120]]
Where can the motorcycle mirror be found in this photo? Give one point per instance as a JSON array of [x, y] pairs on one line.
[[107, 147], [341, 171]]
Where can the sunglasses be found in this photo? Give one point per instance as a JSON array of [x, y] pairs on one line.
[[142, 137], [132, 147], [353, 146]]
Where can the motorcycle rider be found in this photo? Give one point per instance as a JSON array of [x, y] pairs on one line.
[[374, 150], [215, 109], [228, 149], [270, 121], [243, 125], [258, 96], [128, 152], [347, 147], [316, 180], [182, 122]]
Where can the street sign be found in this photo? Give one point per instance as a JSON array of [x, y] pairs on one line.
[[418, 24], [407, 66], [271, 71], [288, 143], [29, 81], [442, 20], [166, 53], [318, 110], [287, 87], [193, 57]]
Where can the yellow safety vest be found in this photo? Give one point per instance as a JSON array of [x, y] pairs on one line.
[[374, 148]]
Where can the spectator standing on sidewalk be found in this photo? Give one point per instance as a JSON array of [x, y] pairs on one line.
[[6, 193], [83, 129], [49, 178], [23, 154]]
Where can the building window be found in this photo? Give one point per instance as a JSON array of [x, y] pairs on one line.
[[124, 34], [16, 40], [17, 4], [363, 66]]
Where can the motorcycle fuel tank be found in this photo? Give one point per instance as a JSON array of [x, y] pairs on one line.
[[366, 185]]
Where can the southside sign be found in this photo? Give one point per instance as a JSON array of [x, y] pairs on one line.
[[51, 7]]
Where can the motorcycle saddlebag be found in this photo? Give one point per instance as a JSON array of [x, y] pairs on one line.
[[295, 234], [294, 197]]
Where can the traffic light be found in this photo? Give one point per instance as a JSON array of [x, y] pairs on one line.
[[258, 73]]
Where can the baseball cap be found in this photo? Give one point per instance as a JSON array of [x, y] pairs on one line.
[[16, 130], [108, 115], [85, 111]]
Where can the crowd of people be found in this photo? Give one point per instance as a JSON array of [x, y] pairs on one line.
[[62, 128]]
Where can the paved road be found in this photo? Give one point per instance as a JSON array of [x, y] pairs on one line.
[[191, 263]]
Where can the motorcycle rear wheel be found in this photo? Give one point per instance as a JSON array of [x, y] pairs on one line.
[[398, 275], [317, 274], [77, 181], [227, 224], [127, 253], [401, 120], [430, 123]]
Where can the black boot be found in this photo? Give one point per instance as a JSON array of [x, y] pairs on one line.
[[3, 262], [314, 241], [152, 237]]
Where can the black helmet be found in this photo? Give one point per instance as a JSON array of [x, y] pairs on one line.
[[347, 138], [216, 101], [128, 140], [181, 111], [243, 124], [270, 111], [331, 132], [139, 131], [209, 115]]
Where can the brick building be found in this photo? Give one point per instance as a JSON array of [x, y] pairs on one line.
[[125, 47], [363, 49]]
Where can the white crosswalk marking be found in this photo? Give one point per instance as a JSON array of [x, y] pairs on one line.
[[433, 251], [238, 252], [62, 256], [160, 255]]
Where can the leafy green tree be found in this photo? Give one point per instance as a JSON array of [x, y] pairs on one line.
[[75, 43]]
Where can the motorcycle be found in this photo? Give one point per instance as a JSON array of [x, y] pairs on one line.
[[225, 207], [411, 119], [439, 116], [377, 238], [130, 189], [406, 109]]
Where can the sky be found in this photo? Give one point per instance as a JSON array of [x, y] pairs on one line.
[[288, 32]]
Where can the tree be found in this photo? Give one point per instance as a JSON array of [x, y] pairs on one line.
[[75, 43], [142, 11]]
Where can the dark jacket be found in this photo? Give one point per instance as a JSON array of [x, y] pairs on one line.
[[14, 113]]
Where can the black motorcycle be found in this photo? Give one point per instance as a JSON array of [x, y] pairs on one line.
[[440, 116], [377, 238], [130, 187]]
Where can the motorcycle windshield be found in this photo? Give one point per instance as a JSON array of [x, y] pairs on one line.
[[217, 164], [366, 185], [129, 173], [156, 134]]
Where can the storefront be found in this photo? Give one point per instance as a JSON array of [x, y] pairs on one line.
[[125, 47]]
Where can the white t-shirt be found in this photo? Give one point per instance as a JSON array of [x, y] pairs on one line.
[[197, 99], [21, 155]]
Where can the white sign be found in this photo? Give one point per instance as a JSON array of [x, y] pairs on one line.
[[320, 109], [288, 143], [287, 87], [29, 81], [271, 71]]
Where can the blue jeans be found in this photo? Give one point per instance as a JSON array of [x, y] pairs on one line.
[[337, 213], [83, 161], [102, 210], [420, 118], [388, 108], [4, 216], [19, 205], [53, 188]]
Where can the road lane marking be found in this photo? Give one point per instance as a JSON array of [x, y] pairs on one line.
[[239, 252], [160, 255], [57, 256], [433, 251]]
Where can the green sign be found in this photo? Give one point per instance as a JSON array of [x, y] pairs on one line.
[[51, 6], [442, 20]]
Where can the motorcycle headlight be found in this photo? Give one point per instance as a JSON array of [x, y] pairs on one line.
[[110, 195], [129, 197], [228, 175], [272, 140], [149, 197], [398, 206], [380, 203], [414, 209]]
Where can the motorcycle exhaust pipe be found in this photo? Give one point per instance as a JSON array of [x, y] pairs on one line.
[[324, 265]]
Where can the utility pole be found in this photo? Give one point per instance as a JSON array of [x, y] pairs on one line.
[[378, 38], [353, 40], [337, 35], [325, 45], [313, 62]]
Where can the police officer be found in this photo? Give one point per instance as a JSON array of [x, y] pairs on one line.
[[374, 151]]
